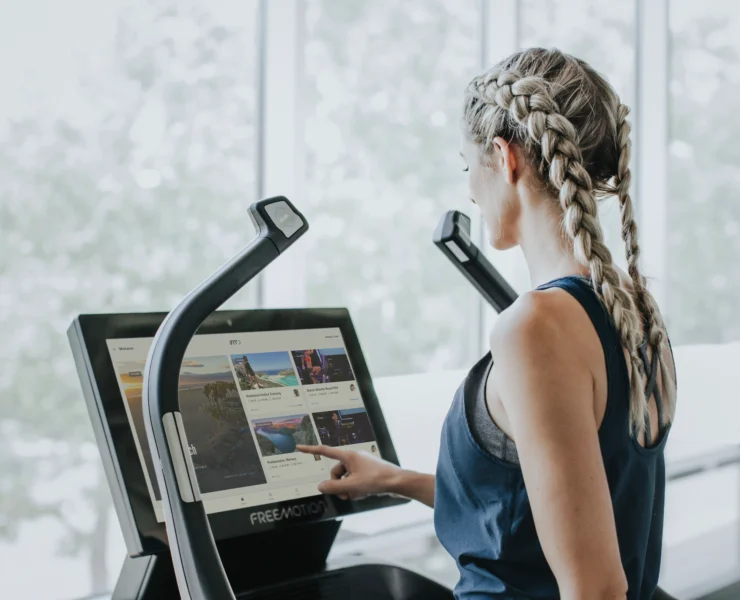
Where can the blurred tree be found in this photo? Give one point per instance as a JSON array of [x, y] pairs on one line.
[[123, 189], [703, 211], [383, 95], [102, 192]]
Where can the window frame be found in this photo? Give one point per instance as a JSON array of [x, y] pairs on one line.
[[650, 139], [501, 36], [281, 135]]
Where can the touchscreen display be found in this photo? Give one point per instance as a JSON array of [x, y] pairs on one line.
[[246, 400]]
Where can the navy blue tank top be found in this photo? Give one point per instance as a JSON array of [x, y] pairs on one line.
[[482, 513]]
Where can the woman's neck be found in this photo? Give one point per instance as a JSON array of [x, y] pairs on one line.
[[547, 249]]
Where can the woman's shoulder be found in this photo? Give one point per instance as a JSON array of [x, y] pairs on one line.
[[539, 314], [544, 355]]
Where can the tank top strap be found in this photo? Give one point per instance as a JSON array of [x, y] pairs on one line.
[[616, 417], [651, 367]]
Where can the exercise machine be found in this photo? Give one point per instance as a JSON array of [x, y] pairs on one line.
[[213, 500], [452, 237]]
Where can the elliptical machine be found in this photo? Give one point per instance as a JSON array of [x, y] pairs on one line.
[[202, 526], [276, 548]]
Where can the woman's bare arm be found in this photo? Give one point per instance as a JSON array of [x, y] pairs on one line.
[[416, 486], [547, 390], [359, 474]]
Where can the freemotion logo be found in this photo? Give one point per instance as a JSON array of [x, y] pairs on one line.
[[297, 511]]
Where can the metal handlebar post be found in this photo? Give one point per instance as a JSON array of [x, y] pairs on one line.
[[200, 573]]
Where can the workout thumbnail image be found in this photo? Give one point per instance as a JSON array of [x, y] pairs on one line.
[[344, 427], [329, 365], [280, 435], [221, 445], [264, 370]]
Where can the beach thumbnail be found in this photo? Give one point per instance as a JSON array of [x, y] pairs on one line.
[[260, 370]]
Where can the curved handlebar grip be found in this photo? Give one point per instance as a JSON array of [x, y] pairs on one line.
[[452, 236], [200, 574]]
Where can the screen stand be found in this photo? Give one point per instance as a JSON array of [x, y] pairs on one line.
[[251, 562]]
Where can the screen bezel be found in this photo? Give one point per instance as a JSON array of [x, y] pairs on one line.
[[95, 330]]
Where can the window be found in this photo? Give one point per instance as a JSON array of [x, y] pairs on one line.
[[703, 212], [131, 142], [382, 167], [702, 300], [126, 161]]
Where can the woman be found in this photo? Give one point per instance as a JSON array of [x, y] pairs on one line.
[[307, 361], [550, 480]]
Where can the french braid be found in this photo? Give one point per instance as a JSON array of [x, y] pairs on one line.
[[520, 104], [654, 327]]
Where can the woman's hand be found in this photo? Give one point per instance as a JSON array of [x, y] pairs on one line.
[[357, 474]]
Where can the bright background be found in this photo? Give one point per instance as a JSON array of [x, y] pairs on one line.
[[134, 133]]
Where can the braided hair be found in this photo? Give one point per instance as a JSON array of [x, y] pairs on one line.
[[574, 130]]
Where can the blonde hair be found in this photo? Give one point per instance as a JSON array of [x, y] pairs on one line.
[[574, 130]]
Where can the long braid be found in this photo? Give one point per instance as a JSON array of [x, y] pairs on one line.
[[530, 105], [654, 327]]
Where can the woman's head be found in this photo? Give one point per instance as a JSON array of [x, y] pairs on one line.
[[530, 119], [544, 121]]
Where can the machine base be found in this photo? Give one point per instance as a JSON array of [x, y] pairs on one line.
[[251, 562], [287, 564], [358, 582]]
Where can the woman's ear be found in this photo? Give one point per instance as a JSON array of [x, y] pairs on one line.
[[505, 159]]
